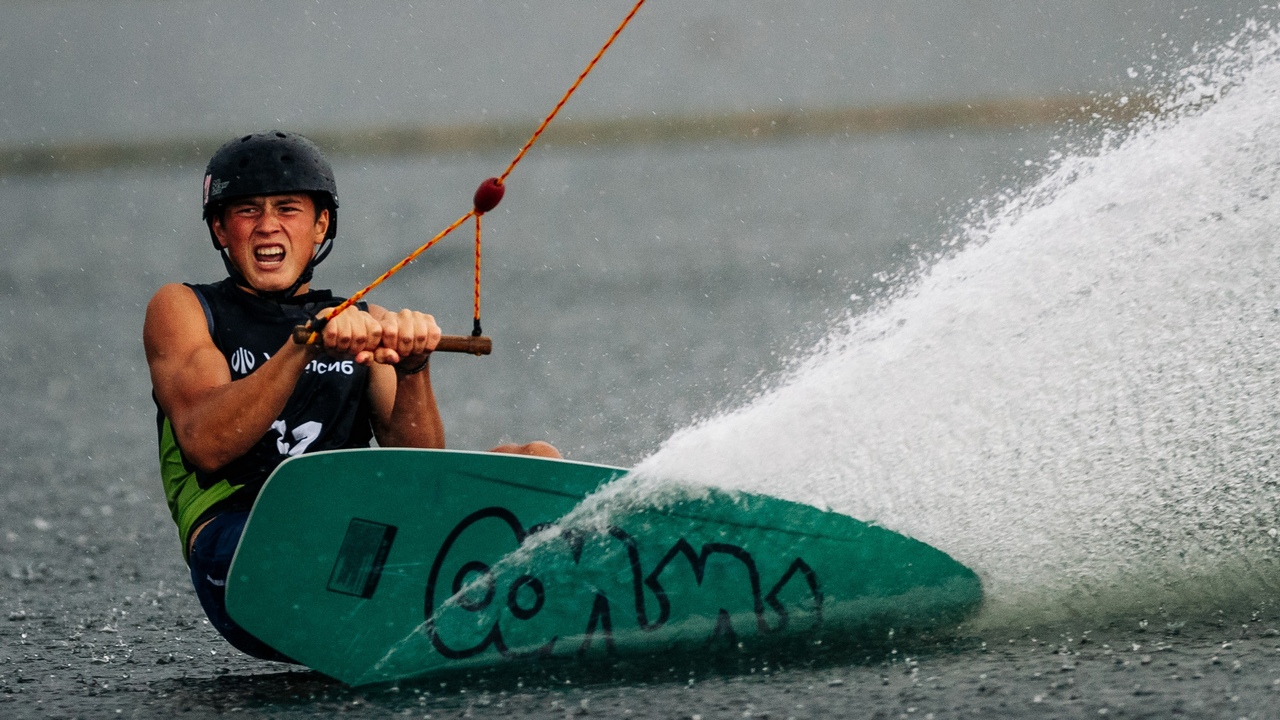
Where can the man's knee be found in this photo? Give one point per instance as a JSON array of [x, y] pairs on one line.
[[537, 448]]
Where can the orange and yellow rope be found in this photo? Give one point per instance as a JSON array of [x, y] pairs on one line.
[[489, 189]]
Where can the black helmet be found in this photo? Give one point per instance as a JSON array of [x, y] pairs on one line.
[[270, 163]]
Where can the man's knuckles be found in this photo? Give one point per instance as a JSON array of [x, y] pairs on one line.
[[352, 333]]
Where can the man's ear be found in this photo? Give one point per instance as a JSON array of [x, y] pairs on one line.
[[322, 225], [219, 232]]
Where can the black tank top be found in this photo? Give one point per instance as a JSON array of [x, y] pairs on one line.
[[329, 408]]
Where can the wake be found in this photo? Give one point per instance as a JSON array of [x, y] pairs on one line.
[[1082, 403]]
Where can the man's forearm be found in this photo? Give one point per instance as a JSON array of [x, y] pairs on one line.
[[415, 419], [231, 418]]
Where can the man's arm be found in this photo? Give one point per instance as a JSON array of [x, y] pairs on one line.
[[404, 406], [215, 419]]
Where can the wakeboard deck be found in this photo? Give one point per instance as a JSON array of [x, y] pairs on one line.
[[379, 565]]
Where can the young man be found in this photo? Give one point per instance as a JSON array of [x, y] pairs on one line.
[[236, 395]]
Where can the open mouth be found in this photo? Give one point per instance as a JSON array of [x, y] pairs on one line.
[[269, 255]]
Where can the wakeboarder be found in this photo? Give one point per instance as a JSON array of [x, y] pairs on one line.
[[236, 395]]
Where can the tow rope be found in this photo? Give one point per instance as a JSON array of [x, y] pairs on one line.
[[486, 198]]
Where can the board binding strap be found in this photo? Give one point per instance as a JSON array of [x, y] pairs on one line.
[[379, 565]]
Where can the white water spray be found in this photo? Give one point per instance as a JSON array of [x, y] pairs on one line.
[[1082, 404]]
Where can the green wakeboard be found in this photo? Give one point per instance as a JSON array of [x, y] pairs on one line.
[[386, 564]]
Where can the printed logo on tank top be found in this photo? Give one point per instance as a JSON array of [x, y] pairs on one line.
[[242, 361], [323, 365]]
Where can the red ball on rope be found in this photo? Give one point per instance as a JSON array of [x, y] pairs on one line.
[[488, 195]]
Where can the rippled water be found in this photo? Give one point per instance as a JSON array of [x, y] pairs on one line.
[[1052, 354]]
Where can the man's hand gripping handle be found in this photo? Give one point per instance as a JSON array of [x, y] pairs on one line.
[[309, 334]]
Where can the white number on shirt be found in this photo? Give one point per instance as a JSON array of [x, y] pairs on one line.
[[304, 434]]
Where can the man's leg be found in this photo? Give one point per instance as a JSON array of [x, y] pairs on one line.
[[210, 561], [537, 448]]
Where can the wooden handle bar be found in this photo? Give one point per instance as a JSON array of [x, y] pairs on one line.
[[471, 344]]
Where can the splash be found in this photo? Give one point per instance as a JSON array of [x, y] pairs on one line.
[[1083, 402]]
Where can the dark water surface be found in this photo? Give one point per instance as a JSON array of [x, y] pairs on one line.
[[630, 294], [614, 326]]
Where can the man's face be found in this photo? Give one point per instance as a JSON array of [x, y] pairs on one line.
[[270, 238]]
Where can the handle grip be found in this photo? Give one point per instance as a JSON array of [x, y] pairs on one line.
[[470, 344]]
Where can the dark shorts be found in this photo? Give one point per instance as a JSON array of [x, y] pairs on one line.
[[210, 561]]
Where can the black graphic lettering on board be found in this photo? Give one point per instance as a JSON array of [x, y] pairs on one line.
[[473, 588]]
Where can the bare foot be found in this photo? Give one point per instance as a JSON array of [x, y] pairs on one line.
[[537, 448]]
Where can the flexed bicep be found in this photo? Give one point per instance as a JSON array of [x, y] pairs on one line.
[[182, 359]]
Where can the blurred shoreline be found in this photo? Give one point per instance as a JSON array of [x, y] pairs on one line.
[[752, 126]]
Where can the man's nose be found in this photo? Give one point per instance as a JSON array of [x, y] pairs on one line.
[[269, 223]]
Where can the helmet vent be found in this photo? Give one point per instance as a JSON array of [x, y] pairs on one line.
[[281, 135], [246, 138], [287, 159], [244, 162]]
